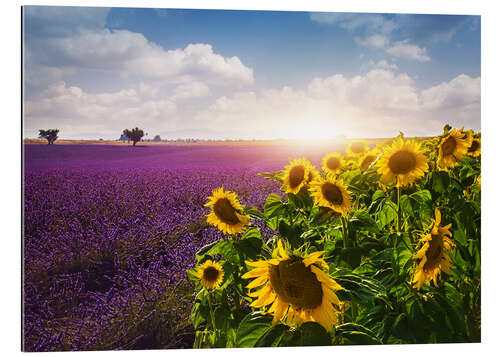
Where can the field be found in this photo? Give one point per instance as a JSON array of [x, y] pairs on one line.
[[115, 238], [111, 230]]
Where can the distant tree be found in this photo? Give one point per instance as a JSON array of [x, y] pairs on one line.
[[157, 138], [135, 134], [50, 135]]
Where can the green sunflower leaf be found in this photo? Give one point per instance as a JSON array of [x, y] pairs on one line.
[[312, 334], [250, 244], [386, 216], [252, 328], [254, 213], [357, 334], [378, 194], [224, 247], [273, 206], [273, 337]]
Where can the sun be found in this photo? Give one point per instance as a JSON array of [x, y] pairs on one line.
[[314, 129]]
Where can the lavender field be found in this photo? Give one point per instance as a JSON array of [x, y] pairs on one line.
[[109, 232]]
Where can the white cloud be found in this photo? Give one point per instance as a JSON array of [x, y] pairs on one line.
[[353, 21], [190, 90], [380, 64], [378, 31], [376, 41], [148, 90], [379, 103], [75, 112], [463, 91], [403, 49], [132, 55], [407, 50]]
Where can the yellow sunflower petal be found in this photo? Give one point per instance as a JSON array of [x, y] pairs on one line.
[[257, 264], [258, 282], [313, 258], [254, 273], [325, 278]]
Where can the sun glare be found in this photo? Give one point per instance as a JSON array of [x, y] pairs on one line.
[[314, 131]]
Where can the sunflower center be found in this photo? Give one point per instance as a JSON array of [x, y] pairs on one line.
[[295, 284], [332, 193], [474, 146], [210, 274], [449, 146], [434, 252], [402, 162], [357, 148], [225, 211], [333, 163], [367, 161], [296, 176]]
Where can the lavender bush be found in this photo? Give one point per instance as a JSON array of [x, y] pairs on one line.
[[109, 232]]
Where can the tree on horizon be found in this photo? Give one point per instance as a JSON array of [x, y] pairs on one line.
[[50, 135], [135, 134]]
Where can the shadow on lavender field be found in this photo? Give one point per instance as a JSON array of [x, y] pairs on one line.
[[109, 232]]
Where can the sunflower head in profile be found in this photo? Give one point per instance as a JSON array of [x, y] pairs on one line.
[[467, 135], [332, 163], [451, 149], [433, 256], [366, 160], [331, 193], [225, 212], [356, 147], [313, 174], [210, 274], [296, 175], [404, 161], [296, 289], [475, 147]]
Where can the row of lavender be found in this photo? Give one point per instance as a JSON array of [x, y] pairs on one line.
[[110, 231]]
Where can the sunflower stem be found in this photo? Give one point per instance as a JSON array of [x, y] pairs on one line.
[[399, 210], [211, 308], [354, 312], [344, 232]]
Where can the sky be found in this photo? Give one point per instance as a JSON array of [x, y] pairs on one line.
[[218, 74]]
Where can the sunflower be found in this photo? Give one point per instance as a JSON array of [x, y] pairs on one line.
[[210, 274], [332, 163], [475, 147], [225, 213], [367, 159], [313, 174], [356, 147], [433, 254], [296, 175], [451, 149], [296, 288], [331, 193], [467, 135], [403, 160]]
